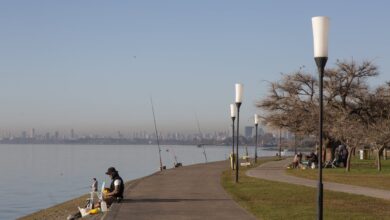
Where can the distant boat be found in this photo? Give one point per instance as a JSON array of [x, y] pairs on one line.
[[199, 145]]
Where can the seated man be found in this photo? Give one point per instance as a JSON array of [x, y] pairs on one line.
[[115, 192], [297, 160], [312, 158]]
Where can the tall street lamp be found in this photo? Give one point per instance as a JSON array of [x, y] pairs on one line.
[[320, 36], [233, 113], [239, 89], [256, 125]]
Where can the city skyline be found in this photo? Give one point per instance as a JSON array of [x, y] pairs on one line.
[[143, 137], [93, 65], [69, 134], [72, 133]]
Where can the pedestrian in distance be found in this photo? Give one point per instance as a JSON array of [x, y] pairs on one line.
[[94, 186]]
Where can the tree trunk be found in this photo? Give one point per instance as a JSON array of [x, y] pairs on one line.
[[324, 147], [378, 158], [385, 154], [295, 143], [348, 165]]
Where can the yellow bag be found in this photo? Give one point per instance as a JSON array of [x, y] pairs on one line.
[[94, 211]]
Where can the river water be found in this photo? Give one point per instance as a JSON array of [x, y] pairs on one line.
[[34, 177]]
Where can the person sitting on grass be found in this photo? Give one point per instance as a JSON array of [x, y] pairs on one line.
[[297, 161], [312, 158]]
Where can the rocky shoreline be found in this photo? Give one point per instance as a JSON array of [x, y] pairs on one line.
[[60, 211]]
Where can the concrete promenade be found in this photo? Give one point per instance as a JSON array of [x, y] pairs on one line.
[[189, 192], [275, 171]]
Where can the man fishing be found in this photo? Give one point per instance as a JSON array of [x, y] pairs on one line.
[[94, 186], [115, 192]]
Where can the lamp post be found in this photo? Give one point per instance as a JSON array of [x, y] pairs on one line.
[[233, 113], [320, 37], [256, 125], [239, 88]]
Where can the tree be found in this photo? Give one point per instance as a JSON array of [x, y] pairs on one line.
[[348, 103], [350, 131], [378, 121], [293, 102], [290, 103]]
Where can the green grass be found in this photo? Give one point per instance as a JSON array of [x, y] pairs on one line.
[[274, 200], [363, 173]]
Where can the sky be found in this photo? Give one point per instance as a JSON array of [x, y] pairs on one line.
[[93, 65]]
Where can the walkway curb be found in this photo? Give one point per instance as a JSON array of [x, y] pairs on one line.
[[275, 171]]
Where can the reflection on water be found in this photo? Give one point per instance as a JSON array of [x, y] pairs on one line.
[[34, 177]]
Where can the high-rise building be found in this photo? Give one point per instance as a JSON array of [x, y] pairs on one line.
[[120, 135], [248, 131], [261, 131], [32, 133], [72, 136]]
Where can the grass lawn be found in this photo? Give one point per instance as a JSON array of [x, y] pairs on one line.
[[274, 200], [363, 173]]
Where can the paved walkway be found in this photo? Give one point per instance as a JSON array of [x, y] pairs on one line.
[[275, 171], [190, 192]]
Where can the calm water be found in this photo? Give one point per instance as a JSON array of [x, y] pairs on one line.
[[34, 177]]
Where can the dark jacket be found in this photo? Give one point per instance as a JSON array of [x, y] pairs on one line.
[[121, 186]]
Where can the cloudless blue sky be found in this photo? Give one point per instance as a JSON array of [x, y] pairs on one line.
[[93, 65]]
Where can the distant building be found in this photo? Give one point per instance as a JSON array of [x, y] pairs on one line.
[[47, 136], [261, 131], [32, 133], [248, 131], [72, 135]]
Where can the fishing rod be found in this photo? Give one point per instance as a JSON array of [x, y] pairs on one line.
[[200, 133], [158, 141]]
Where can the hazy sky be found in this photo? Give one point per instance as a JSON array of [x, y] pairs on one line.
[[93, 65]]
